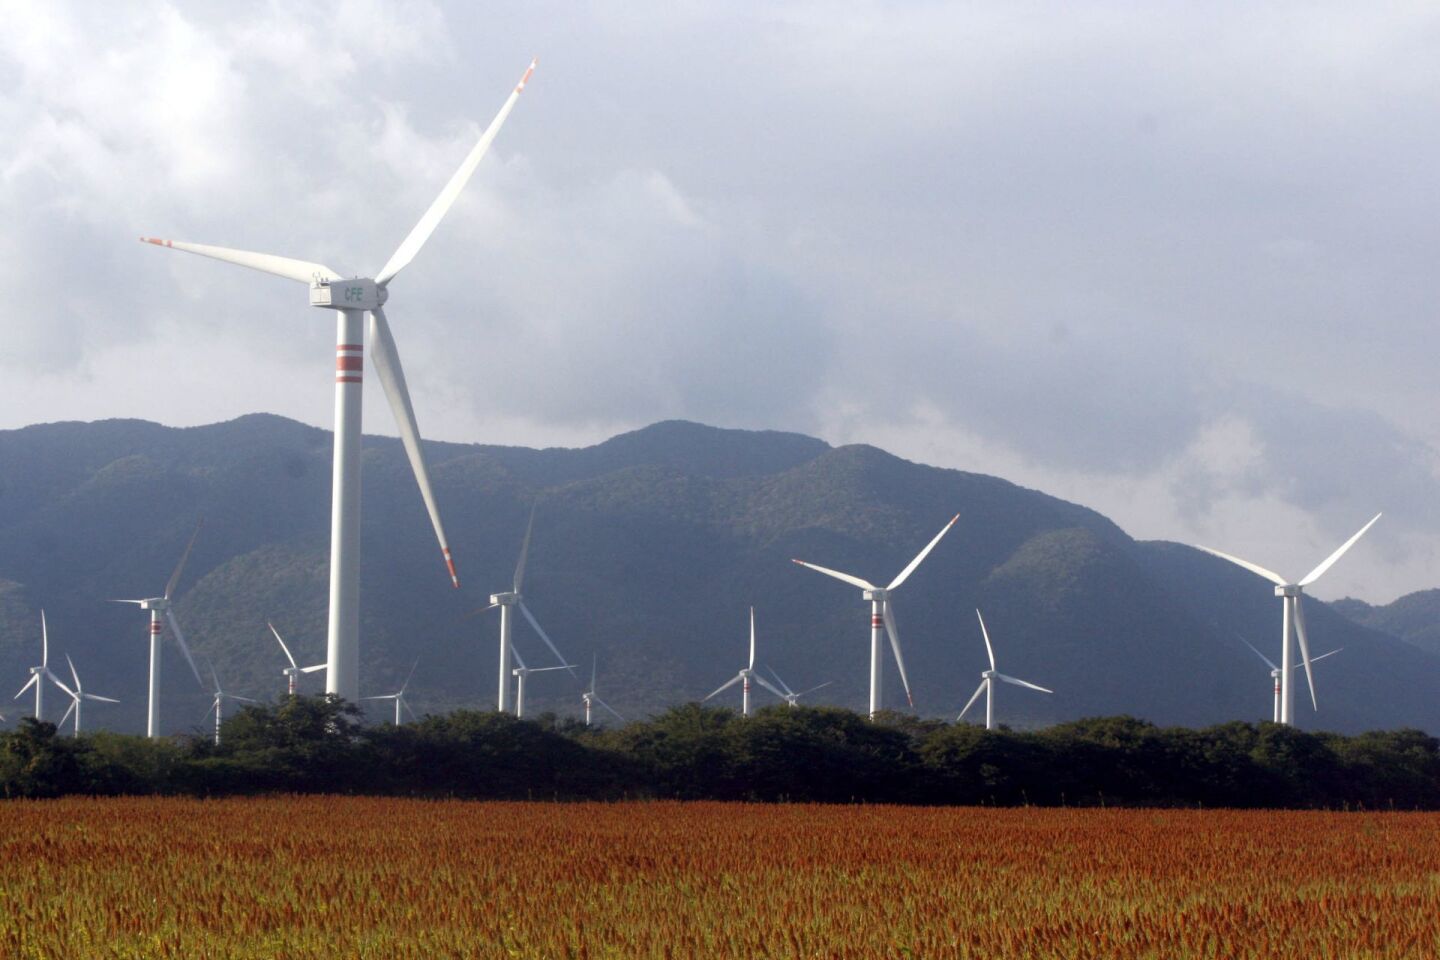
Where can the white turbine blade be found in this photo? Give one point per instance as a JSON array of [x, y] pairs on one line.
[[96, 696], [817, 686], [524, 552], [515, 652], [544, 636], [1329, 561], [1255, 568], [28, 684], [724, 686], [180, 567], [986, 634], [44, 641], [318, 666], [281, 641], [910, 568], [1324, 655], [854, 581], [1304, 648], [244, 699], [290, 269], [57, 681], [69, 711], [607, 707], [783, 684], [564, 666], [769, 686], [752, 639], [894, 633], [136, 602], [382, 696], [411, 245], [1268, 662], [184, 647], [387, 367], [593, 658], [1022, 683], [73, 675], [479, 610], [216, 677], [406, 707], [409, 676], [971, 702]]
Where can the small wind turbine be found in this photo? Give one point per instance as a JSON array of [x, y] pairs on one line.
[[987, 683], [791, 697], [521, 672], [1276, 673], [746, 675], [882, 617], [38, 675], [217, 704], [590, 699], [161, 610], [292, 672], [1293, 618], [351, 300], [77, 696], [399, 696]]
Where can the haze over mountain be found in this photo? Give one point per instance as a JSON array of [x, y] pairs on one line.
[[648, 550]]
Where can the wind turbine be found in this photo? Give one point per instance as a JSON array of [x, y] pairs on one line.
[[521, 672], [399, 696], [746, 675], [161, 613], [987, 683], [77, 696], [1293, 618], [1276, 673], [590, 699], [351, 299], [791, 697], [292, 672], [882, 617], [217, 705], [513, 599], [38, 675]]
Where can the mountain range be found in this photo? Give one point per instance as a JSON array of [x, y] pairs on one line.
[[648, 551]]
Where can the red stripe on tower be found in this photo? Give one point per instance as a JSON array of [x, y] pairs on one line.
[[349, 348], [155, 627], [877, 621], [349, 363]]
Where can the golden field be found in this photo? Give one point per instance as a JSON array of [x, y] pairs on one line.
[[293, 877]]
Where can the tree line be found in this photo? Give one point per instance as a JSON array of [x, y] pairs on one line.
[[780, 754]]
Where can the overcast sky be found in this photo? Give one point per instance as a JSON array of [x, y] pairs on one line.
[[1173, 261]]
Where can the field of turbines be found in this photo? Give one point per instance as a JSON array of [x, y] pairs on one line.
[[132, 878]]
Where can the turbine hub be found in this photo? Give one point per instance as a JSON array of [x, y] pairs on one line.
[[347, 294]]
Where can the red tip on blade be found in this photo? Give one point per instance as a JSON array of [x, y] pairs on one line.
[[801, 562], [450, 565], [911, 699], [526, 79], [953, 519]]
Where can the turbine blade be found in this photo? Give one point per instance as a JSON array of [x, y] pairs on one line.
[[1305, 648], [853, 581], [1324, 655], [136, 602], [910, 568], [70, 710], [607, 707], [752, 639], [986, 634], [318, 666], [1268, 662], [404, 705], [28, 684], [723, 687], [290, 269], [1329, 561], [479, 610], [387, 366], [817, 686], [44, 641], [776, 675], [180, 567], [515, 652], [1255, 568], [216, 677], [593, 658], [971, 702], [768, 686], [56, 680], [281, 641], [184, 647], [73, 675], [410, 676], [411, 245], [96, 696], [544, 636], [563, 666], [524, 552], [1022, 683], [894, 633]]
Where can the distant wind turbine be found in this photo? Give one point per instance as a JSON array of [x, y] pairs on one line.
[[1276, 673], [38, 675], [591, 699], [351, 299], [1293, 618], [292, 672], [987, 683], [521, 672], [882, 616], [217, 705], [791, 697], [399, 696], [747, 674], [77, 697]]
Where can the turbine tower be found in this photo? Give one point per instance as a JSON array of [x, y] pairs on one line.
[[590, 699], [77, 696], [292, 672], [520, 673], [161, 612], [1276, 673], [217, 705], [987, 683], [399, 696], [746, 675], [351, 299], [1293, 618], [791, 697], [882, 617], [38, 675]]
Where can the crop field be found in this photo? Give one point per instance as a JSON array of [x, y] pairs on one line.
[[293, 877]]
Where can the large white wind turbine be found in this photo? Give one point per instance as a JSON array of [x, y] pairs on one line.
[[747, 674], [351, 299], [292, 672], [987, 683], [591, 700], [38, 675], [217, 705], [791, 697], [1276, 673], [882, 617], [77, 697], [399, 696], [1293, 618], [161, 612], [506, 602], [521, 672]]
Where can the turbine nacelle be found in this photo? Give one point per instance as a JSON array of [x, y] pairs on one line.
[[504, 599], [1289, 590], [355, 294], [876, 594]]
